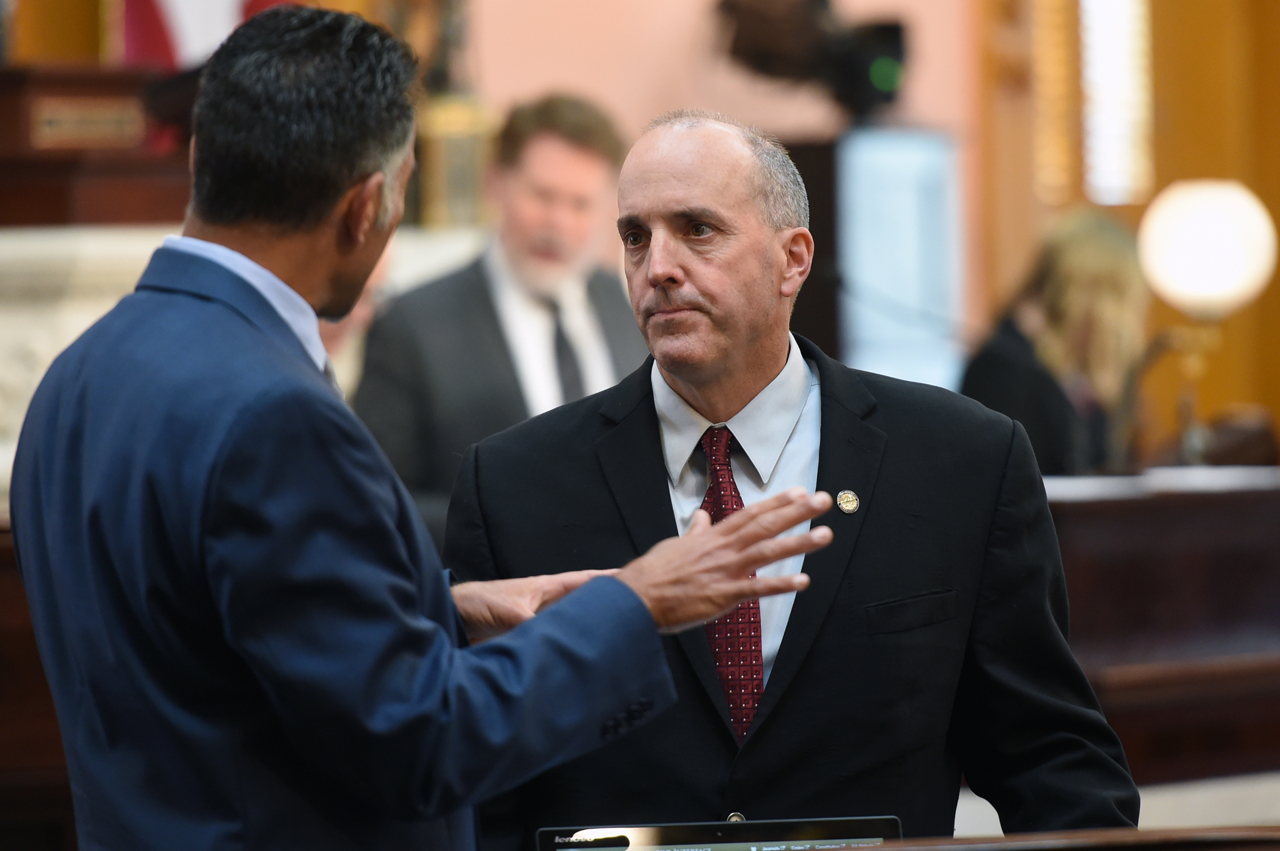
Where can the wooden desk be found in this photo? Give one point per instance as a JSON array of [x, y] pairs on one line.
[[76, 147], [1214, 839], [1175, 616]]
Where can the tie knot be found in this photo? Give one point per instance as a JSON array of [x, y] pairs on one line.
[[715, 445]]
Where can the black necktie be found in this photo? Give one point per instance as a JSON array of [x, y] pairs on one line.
[[566, 359]]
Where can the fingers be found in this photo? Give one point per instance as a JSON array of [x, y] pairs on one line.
[[770, 517], [552, 587], [776, 549], [768, 587]]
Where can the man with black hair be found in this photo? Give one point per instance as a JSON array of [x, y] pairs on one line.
[[247, 633]]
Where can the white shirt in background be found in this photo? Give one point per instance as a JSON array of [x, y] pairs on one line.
[[529, 328]]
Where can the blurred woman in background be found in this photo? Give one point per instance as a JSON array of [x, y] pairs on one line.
[[1062, 355]]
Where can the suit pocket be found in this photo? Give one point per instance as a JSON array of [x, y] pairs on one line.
[[911, 612]]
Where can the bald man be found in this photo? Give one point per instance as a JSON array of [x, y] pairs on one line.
[[932, 641]]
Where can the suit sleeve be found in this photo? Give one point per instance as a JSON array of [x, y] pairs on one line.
[[310, 560], [393, 400], [1032, 737]]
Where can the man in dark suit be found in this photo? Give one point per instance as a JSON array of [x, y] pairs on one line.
[[247, 633], [527, 326], [932, 642]]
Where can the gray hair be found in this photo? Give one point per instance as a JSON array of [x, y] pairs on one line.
[[779, 190], [390, 167]]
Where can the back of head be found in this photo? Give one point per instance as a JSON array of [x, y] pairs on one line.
[[294, 108], [575, 120]]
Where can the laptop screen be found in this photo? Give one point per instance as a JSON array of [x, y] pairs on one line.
[[782, 835]]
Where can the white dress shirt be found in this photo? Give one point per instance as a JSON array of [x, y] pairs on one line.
[[530, 331], [776, 440], [293, 308]]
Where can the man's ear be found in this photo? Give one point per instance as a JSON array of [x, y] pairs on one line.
[[363, 202], [797, 248]]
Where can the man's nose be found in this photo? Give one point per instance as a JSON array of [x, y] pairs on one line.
[[663, 260]]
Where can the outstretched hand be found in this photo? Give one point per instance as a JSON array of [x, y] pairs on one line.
[[489, 609], [690, 580]]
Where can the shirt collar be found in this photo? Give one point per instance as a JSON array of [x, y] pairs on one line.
[[762, 428], [284, 299]]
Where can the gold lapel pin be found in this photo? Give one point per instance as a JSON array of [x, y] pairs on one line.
[[847, 501]]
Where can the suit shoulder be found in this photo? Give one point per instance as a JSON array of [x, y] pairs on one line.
[[565, 431], [435, 300], [932, 407]]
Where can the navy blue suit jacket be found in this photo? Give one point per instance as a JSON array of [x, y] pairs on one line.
[[247, 633]]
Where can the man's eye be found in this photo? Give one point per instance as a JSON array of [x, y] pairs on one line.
[[631, 239], [698, 229]]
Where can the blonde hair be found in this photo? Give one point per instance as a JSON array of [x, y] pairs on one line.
[[1093, 298]]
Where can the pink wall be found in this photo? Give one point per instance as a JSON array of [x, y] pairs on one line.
[[639, 59]]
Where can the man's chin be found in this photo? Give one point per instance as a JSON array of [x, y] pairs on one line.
[[680, 355], [542, 276]]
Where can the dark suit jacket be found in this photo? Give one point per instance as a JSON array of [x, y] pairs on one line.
[[931, 642], [438, 377], [247, 633]]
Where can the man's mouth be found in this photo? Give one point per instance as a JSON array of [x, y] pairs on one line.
[[672, 310]]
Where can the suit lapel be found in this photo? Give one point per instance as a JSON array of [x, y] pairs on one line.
[[630, 455], [848, 459]]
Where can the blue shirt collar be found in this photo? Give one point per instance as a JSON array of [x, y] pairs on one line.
[[292, 307]]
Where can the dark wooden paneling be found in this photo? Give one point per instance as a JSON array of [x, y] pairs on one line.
[[1175, 616], [93, 190], [87, 179], [35, 800]]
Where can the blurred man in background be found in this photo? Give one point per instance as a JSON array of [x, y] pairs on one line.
[[526, 327]]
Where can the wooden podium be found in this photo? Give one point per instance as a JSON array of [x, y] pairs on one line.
[[77, 147]]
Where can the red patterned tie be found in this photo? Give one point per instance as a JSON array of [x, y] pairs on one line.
[[735, 638]]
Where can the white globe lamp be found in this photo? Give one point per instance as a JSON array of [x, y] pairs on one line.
[[1208, 248]]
